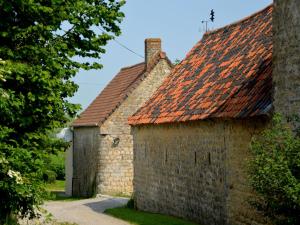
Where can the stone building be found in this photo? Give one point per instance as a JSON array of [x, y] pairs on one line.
[[191, 139], [102, 143]]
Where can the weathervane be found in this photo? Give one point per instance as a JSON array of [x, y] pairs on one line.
[[211, 19]]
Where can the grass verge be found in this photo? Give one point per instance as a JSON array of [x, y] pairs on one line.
[[56, 192], [144, 218], [60, 196], [58, 185]]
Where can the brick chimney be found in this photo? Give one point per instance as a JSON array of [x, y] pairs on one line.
[[152, 47], [286, 57]]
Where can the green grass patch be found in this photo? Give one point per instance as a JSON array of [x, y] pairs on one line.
[[58, 185], [144, 218], [56, 192], [60, 196]]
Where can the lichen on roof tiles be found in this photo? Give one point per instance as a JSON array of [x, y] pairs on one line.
[[227, 74]]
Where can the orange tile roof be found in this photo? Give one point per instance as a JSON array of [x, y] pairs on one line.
[[227, 74], [116, 92]]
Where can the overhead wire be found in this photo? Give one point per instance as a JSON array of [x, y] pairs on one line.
[[122, 45]]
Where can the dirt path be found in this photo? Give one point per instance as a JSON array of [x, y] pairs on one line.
[[87, 211]]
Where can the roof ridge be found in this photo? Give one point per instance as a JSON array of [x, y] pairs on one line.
[[126, 91], [129, 67], [221, 76], [106, 88], [135, 74], [238, 21]]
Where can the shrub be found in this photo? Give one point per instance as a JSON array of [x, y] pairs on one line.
[[130, 204], [55, 164], [49, 176], [275, 173], [19, 179]]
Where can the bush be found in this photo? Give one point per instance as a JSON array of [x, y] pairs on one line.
[[49, 176], [19, 179], [56, 164], [130, 204], [275, 173]]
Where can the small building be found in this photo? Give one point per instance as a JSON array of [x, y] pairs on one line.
[[102, 143], [191, 139]]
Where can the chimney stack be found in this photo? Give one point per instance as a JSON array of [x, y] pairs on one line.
[[152, 47], [286, 57]]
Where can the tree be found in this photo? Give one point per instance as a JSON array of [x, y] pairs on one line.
[[275, 172], [43, 43]]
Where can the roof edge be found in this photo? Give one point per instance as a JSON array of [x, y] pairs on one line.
[[154, 61], [129, 67], [160, 55], [98, 124], [237, 22], [171, 119], [85, 125]]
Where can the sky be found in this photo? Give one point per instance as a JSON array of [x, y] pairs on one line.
[[176, 22]]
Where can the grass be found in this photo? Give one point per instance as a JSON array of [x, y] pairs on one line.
[[56, 192], [59, 196], [144, 218], [58, 185]]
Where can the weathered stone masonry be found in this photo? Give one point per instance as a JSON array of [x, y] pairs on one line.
[[116, 160], [103, 153], [195, 170], [286, 56]]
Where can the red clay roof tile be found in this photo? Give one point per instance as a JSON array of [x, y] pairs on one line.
[[116, 92], [227, 74], [110, 97]]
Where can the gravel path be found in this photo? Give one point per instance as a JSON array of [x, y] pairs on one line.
[[87, 211]]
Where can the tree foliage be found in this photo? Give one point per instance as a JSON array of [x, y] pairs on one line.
[[55, 167], [275, 172], [43, 44]]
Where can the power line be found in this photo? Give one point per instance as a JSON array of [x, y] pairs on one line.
[[122, 45], [128, 48]]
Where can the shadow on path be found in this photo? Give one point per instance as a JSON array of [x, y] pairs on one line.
[[86, 211], [101, 206]]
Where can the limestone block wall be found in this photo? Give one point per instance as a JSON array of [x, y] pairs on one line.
[[195, 170], [286, 61], [85, 148], [115, 153], [114, 169], [237, 137]]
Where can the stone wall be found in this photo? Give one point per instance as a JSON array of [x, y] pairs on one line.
[[195, 170], [85, 148], [115, 153], [286, 73]]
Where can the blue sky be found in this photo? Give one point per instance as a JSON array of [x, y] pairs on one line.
[[176, 22]]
